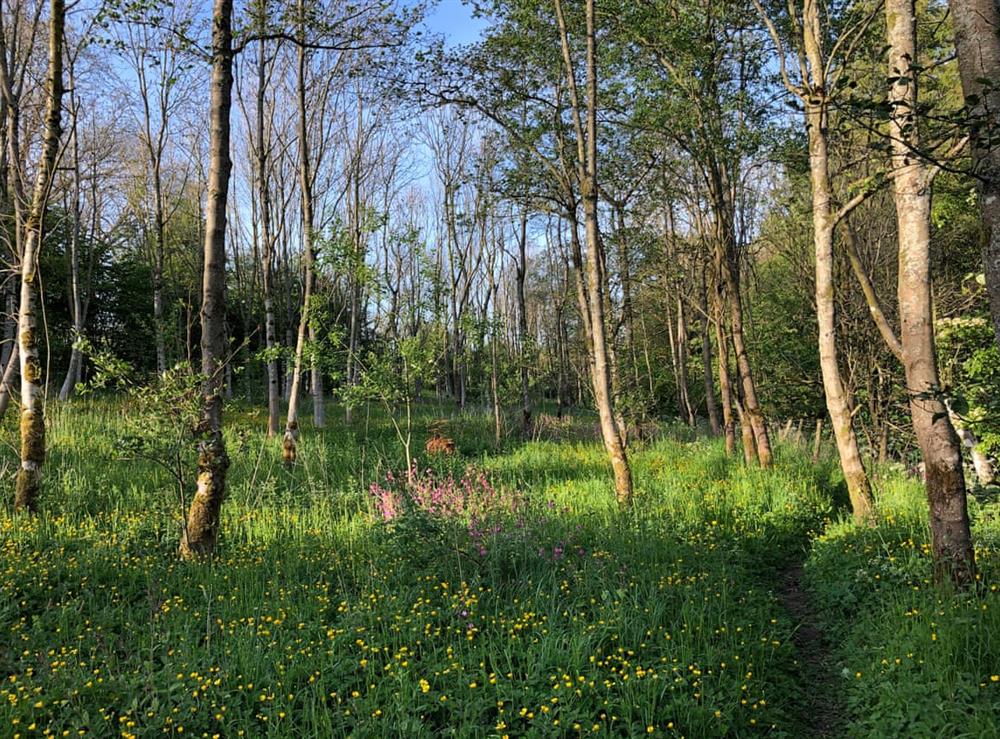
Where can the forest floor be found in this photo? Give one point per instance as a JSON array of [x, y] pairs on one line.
[[822, 705], [504, 596]]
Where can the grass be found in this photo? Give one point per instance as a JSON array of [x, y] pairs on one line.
[[320, 619]]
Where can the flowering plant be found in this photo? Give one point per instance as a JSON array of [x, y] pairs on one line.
[[469, 504]]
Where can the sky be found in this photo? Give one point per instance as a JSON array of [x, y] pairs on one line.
[[454, 20]]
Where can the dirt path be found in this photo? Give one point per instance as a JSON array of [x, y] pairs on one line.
[[823, 709]]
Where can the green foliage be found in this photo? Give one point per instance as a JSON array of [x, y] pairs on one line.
[[161, 418], [970, 367], [109, 372], [392, 377]]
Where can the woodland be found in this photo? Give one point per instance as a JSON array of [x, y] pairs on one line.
[[619, 369]]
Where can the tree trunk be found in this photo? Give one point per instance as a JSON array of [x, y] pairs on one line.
[[682, 357], [161, 348], [202, 529], [75, 297], [594, 279], [751, 405], [942, 450], [267, 239], [824, 223], [706, 360], [725, 390], [305, 329], [976, 24], [29, 474], [981, 463], [858, 487], [522, 326], [7, 383], [746, 432]]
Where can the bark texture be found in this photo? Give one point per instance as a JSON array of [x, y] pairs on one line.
[[202, 529], [824, 224], [590, 288], [951, 539], [977, 25], [29, 474]]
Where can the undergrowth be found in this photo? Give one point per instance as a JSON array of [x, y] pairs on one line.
[[509, 598]]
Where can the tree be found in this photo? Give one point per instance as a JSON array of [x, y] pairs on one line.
[[815, 89], [911, 185], [978, 46], [584, 120], [267, 240], [29, 475], [307, 328], [158, 61], [202, 528], [704, 104]]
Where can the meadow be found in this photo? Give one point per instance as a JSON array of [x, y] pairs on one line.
[[516, 600]]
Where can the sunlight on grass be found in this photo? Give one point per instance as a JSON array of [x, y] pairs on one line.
[[318, 619]]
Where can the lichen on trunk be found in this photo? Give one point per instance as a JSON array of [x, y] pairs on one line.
[[202, 528], [32, 431]]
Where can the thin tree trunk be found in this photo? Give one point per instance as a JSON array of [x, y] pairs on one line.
[[522, 326], [817, 440], [682, 357], [154, 150], [725, 390], [868, 290], [672, 344], [10, 316], [981, 463], [202, 529], [837, 404], [76, 300], [824, 223], [751, 405], [29, 474], [305, 329], [645, 355], [746, 432], [951, 538], [706, 360], [594, 279], [495, 366], [267, 239], [7, 383]]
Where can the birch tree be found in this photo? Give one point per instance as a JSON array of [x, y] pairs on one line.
[[815, 87], [29, 474]]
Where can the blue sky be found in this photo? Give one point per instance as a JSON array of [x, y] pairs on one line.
[[454, 20]]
